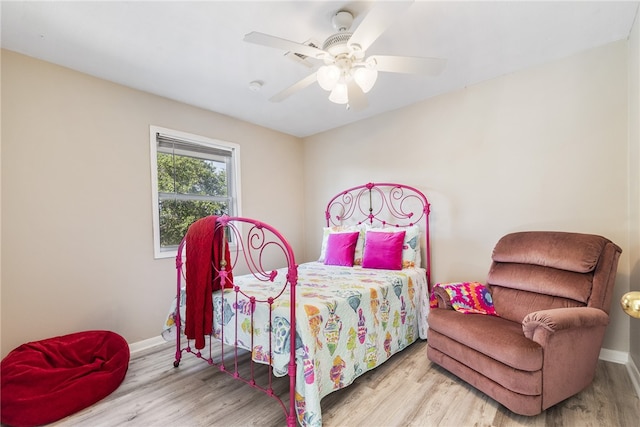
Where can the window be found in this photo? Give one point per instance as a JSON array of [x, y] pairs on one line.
[[192, 177]]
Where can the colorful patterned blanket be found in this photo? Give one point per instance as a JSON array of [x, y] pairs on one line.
[[467, 297], [349, 320]]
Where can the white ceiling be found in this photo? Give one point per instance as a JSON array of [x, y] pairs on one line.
[[193, 51]]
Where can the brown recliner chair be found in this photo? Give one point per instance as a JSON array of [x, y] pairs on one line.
[[552, 291]]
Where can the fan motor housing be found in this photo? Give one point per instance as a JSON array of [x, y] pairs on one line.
[[336, 43]]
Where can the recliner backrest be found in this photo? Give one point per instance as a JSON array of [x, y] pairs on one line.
[[537, 270]]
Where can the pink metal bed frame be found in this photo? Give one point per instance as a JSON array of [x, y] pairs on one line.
[[378, 204], [385, 205]]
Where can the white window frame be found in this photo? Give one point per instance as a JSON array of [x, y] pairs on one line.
[[234, 177]]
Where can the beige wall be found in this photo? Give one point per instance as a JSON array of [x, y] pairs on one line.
[[634, 179], [1, 353], [76, 200], [545, 148]]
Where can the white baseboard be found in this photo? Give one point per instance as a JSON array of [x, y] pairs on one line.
[[634, 374], [614, 356], [145, 344]]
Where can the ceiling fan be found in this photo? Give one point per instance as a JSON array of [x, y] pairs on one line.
[[347, 72]]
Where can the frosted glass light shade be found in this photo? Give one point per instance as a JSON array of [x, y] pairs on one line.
[[328, 76], [339, 94], [365, 78]]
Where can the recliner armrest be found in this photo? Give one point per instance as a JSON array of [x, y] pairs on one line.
[[444, 301], [538, 325]]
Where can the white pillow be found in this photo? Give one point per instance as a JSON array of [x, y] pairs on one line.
[[343, 229]]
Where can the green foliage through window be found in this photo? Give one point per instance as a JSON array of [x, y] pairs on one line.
[[177, 215], [190, 175]]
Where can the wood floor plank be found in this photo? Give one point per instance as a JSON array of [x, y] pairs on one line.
[[407, 390]]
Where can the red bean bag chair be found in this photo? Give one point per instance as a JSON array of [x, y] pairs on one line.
[[44, 381]]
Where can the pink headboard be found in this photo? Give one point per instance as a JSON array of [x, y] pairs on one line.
[[383, 204]]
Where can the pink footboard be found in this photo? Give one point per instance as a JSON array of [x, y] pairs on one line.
[[259, 252]]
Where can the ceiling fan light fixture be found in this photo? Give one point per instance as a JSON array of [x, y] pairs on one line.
[[328, 76], [365, 77], [339, 94], [347, 73]]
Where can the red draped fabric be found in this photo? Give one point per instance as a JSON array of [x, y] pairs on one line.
[[204, 247]]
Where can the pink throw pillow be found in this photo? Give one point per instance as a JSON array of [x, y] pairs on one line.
[[340, 249], [383, 250]]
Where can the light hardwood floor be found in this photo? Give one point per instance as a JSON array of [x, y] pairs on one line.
[[407, 390]]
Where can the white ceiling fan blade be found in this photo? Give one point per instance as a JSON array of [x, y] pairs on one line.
[[357, 98], [288, 45], [307, 81], [379, 18], [409, 64]]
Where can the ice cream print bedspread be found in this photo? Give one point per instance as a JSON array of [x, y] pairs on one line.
[[349, 320]]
